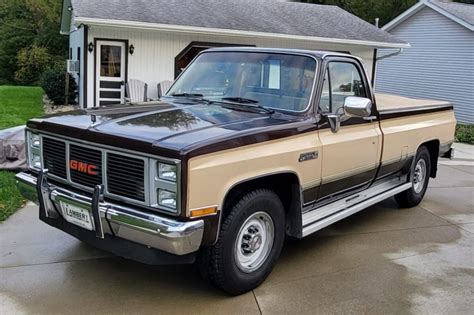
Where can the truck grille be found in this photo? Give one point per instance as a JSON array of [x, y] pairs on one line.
[[126, 176], [54, 157], [88, 170]]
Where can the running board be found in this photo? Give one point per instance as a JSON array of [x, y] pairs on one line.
[[320, 218]]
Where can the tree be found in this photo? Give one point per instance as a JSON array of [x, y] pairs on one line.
[[25, 24], [368, 10]]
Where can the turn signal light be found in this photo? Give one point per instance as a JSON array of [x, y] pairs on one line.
[[203, 211]]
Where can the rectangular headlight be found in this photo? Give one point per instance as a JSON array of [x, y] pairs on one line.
[[34, 140], [167, 172], [33, 149], [167, 198]]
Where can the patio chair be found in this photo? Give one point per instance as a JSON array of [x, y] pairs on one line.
[[136, 91], [163, 87]]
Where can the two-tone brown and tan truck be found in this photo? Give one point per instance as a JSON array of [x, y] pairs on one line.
[[249, 146]]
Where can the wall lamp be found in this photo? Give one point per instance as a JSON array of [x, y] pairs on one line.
[[91, 47], [131, 49]]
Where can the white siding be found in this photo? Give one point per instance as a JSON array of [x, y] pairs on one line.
[[153, 59], [76, 40], [439, 65]]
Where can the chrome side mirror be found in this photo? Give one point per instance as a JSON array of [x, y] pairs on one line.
[[355, 106], [334, 122]]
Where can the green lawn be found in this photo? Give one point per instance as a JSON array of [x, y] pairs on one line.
[[18, 104], [10, 198]]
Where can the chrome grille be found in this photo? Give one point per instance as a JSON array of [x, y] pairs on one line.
[[88, 166], [54, 157], [126, 176]]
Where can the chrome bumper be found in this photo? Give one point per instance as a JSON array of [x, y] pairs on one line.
[[148, 229]]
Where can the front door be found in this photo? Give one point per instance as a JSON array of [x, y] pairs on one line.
[[110, 72], [350, 156]]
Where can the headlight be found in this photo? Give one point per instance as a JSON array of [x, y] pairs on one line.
[[33, 144], [167, 198], [167, 172], [165, 189], [35, 140]]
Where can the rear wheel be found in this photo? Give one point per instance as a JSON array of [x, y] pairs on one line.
[[250, 242], [421, 174]]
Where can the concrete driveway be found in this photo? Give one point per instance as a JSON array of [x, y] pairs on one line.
[[382, 260]]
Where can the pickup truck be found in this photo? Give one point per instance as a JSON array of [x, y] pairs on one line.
[[249, 146]]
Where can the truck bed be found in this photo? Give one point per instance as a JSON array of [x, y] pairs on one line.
[[397, 103]]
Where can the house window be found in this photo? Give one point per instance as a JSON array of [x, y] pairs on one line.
[[110, 59]]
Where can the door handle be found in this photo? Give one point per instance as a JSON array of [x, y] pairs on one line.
[[122, 82], [370, 118]]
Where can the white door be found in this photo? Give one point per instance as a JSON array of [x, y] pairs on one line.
[[110, 72]]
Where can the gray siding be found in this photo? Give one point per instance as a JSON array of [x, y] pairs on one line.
[[439, 65]]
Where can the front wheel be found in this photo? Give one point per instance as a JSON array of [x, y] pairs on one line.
[[420, 176], [250, 242]]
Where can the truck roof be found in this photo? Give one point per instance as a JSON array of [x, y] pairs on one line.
[[314, 53]]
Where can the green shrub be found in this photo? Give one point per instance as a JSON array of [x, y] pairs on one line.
[[465, 133], [31, 63], [53, 82]]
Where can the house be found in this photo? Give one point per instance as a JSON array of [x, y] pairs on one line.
[[440, 62], [112, 41]]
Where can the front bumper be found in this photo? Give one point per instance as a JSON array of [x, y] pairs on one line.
[[112, 222]]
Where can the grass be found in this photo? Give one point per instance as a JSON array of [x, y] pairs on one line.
[[18, 104], [465, 133], [10, 197]]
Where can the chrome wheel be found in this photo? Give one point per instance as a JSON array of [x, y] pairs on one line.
[[254, 242], [419, 176]]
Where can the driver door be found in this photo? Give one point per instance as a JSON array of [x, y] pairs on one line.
[[350, 156]]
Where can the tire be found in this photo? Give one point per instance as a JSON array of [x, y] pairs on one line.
[[421, 171], [250, 241]]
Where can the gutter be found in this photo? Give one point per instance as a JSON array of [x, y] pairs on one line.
[[400, 50], [229, 32]]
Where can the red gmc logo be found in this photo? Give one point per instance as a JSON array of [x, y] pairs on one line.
[[83, 167]]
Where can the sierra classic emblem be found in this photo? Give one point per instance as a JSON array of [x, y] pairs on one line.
[[83, 167]]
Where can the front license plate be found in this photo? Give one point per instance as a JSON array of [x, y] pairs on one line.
[[78, 216]]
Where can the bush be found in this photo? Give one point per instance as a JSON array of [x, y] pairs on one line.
[[465, 133], [31, 63], [53, 82]]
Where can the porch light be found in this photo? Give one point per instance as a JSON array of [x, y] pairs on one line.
[[91, 47], [131, 49]]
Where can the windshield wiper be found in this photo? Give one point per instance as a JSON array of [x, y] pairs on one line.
[[186, 95], [241, 100], [245, 103], [191, 96]]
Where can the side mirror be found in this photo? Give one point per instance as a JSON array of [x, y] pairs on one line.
[[355, 106]]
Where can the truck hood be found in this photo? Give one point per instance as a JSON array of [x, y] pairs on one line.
[[170, 126]]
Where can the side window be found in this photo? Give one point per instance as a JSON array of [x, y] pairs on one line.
[[344, 80], [325, 102]]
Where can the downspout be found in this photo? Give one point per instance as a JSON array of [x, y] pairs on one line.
[[375, 59]]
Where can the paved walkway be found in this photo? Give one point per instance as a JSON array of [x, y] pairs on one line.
[[382, 260]]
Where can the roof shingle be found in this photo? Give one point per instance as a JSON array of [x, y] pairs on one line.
[[268, 16]]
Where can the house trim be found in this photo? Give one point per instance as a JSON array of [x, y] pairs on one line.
[[85, 51], [229, 32], [416, 8]]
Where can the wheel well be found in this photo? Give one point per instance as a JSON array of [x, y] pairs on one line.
[[285, 185], [433, 148]]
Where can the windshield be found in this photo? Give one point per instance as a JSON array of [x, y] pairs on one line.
[[279, 81]]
